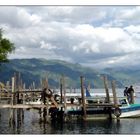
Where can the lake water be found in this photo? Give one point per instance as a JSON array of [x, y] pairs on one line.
[[31, 124]]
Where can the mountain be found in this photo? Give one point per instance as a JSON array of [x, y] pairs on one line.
[[127, 76], [37, 69]]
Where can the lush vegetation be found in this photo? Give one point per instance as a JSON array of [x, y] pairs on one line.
[[6, 47]]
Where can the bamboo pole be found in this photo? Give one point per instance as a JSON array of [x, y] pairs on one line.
[[83, 98]]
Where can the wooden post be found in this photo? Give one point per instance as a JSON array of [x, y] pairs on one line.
[[0, 94], [24, 93], [20, 89], [19, 119], [12, 114], [61, 90], [64, 93], [115, 100], [13, 89], [22, 115], [106, 89], [83, 98], [12, 117], [47, 112], [8, 88], [114, 94], [16, 94]]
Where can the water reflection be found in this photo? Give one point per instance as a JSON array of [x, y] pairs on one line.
[[16, 119], [74, 127], [35, 122]]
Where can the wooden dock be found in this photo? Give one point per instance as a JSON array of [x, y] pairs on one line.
[[17, 98]]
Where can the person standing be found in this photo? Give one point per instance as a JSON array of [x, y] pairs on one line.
[[125, 91], [130, 92]]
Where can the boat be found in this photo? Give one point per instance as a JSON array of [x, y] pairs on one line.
[[127, 110], [124, 109]]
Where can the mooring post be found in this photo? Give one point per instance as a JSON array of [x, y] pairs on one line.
[[12, 114], [8, 87], [0, 95], [114, 94], [117, 113], [61, 100], [47, 112], [106, 89], [24, 93], [64, 93], [13, 89], [12, 117], [16, 88], [17, 84], [61, 91], [18, 118], [33, 94], [83, 98]]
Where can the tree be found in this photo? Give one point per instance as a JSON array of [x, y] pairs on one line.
[[6, 47]]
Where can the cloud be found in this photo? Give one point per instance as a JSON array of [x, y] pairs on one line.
[[91, 35], [129, 15], [73, 14], [17, 17]]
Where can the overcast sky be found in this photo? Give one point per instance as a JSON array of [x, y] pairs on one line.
[[96, 36]]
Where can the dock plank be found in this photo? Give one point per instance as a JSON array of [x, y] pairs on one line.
[[43, 106]]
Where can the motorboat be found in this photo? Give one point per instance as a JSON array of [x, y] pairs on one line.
[[127, 110]]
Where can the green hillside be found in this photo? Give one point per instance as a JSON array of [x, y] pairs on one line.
[[125, 75], [36, 69]]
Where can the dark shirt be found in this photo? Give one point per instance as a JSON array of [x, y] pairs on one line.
[[125, 92], [130, 90]]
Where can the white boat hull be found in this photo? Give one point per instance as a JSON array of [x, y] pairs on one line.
[[131, 111], [130, 114]]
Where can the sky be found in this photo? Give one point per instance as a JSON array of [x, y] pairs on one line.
[[95, 36]]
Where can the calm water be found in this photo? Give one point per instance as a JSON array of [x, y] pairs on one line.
[[31, 124]]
